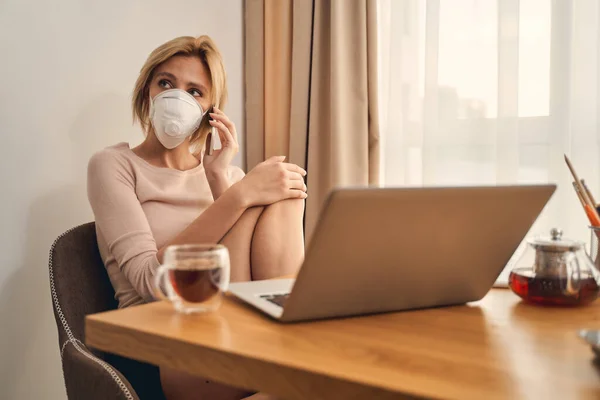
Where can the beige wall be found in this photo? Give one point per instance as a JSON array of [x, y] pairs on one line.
[[67, 69]]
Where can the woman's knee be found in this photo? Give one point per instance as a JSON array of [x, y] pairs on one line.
[[290, 207]]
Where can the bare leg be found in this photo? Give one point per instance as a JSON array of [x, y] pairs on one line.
[[278, 241], [238, 241], [261, 396], [178, 385], [265, 242]]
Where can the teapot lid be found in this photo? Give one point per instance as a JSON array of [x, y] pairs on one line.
[[555, 242]]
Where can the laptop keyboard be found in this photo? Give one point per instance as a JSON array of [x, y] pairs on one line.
[[278, 299]]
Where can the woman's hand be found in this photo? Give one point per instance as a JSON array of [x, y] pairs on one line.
[[218, 162], [272, 181]]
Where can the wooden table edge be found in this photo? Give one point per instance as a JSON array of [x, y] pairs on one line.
[[218, 365]]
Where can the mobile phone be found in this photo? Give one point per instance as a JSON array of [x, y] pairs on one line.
[[215, 139], [210, 145]]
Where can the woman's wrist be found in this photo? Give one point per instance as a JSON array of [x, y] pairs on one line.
[[218, 182], [239, 193], [215, 173]]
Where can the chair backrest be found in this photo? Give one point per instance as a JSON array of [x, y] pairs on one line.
[[79, 283]]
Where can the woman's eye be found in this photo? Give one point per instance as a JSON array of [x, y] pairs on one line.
[[195, 93], [165, 84]]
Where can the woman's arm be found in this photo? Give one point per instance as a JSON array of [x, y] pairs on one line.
[[123, 224], [217, 162], [220, 216], [121, 220], [218, 181]]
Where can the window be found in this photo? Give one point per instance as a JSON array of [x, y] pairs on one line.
[[492, 92]]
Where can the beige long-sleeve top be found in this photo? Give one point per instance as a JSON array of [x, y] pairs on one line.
[[138, 208]]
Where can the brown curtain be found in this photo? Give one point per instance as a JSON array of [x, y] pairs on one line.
[[277, 56], [311, 91]]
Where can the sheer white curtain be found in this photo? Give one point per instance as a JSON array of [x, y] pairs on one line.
[[492, 91]]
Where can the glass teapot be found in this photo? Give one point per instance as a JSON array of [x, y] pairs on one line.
[[555, 271]]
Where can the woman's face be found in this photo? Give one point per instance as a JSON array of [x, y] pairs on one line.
[[185, 73]]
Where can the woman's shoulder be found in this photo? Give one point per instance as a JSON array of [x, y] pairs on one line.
[[110, 159]]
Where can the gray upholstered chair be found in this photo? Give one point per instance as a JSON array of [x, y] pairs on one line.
[[80, 286]]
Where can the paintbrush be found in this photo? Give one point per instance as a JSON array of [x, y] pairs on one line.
[[594, 220], [579, 196], [588, 205], [578, 183], [589, 193]]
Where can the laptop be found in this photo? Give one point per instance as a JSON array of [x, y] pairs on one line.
[[394, 249]]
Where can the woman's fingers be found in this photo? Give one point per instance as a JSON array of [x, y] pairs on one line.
[[295, 176], [294, 168], [274, 159], [296, 194], [219, 128], [297, 185], [224, 134], [220, 116]]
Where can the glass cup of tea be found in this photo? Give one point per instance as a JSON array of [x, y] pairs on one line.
[[193, 277]]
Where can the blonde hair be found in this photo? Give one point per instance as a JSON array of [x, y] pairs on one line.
[[202, 47]]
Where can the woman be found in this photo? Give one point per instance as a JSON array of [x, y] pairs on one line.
[[169, 190]]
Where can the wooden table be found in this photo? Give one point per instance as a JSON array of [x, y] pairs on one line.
[[498, 348]]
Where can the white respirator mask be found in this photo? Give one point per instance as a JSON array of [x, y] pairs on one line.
[[175, 115]]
